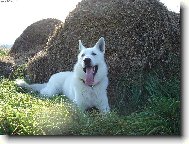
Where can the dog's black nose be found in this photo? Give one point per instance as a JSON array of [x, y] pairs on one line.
[[87, 61]]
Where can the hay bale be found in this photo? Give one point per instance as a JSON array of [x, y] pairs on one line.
[[33, 39], [141, 35], [6, 66], [5, 69]]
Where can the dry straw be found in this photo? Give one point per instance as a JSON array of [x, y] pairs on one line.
[[32, 40]]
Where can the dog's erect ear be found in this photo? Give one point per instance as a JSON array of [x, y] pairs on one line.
[[81, 47], [101, 45]]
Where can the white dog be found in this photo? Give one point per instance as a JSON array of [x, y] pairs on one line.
[[86, 85]]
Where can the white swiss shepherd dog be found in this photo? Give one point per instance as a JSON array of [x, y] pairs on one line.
[[86, 85]]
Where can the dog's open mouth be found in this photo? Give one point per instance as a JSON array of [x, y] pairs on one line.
[[90, 73]]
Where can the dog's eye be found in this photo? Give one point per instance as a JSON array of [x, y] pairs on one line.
[[93, 53], [83, 55]]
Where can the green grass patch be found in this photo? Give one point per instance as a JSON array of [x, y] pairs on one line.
[[3, 52], [24, 113]]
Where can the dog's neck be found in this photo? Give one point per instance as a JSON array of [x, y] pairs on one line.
[[94, 84]]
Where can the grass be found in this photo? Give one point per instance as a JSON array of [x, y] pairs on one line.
[[3, 52], [24, 113]]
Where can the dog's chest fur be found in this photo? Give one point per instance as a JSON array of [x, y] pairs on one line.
[[90, 95]]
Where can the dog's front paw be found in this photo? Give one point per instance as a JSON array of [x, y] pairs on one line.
[[104, 109]]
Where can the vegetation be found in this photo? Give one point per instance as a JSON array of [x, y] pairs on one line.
[[3, 52], [25, 113]]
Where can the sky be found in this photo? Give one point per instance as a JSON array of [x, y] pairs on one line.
[[17, 15]]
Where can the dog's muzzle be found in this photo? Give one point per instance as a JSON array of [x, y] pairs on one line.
[[93, 69], [87, 62], [88, 67]]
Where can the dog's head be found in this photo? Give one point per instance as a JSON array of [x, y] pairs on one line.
[[90, 59]]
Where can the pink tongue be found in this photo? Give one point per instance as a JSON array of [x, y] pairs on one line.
[[89, 76]]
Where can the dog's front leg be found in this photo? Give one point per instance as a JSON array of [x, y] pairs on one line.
[[80, 101], [102, 103]]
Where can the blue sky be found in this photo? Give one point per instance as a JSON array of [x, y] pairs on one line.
[[15, 16]]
